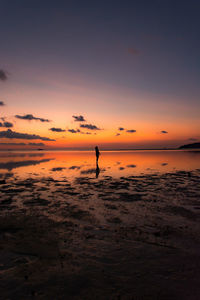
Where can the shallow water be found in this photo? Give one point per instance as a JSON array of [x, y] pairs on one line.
[[135, 228], [72, 164]]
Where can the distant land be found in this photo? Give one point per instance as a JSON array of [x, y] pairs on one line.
[[190, 146], [187, 146]]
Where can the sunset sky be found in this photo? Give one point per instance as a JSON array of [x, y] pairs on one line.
[[119, 74]]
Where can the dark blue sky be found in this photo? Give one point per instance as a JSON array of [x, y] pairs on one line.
[[149, 45]]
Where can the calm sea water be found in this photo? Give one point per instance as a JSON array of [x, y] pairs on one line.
[[73, 164]]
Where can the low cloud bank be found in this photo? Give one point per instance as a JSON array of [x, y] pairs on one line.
[[9, 134]]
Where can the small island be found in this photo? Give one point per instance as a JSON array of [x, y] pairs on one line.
[[190, 146]]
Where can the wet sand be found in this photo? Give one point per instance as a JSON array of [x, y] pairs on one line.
[[134, 237]]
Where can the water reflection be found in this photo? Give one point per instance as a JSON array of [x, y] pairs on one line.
[[10, 165], [97, 170], [72, 164]]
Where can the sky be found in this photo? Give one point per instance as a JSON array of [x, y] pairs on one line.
[[118, 74]]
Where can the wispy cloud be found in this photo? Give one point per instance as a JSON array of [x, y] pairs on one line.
[[79, 118], [30, 117], [9, 134], [57, 129], [6, 124], [90, 126], [164, 131], [13, 144], [3, 75], [131, 130]]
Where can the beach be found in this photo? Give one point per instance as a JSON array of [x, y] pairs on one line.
[[124, 237]]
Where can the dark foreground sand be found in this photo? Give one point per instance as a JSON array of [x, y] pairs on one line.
[[127, 238]]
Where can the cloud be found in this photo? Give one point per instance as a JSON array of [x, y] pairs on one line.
[[163, 131], [90, 126], [57, 129], [9, 134], [22, 144], [131, 166], [13, 144], [86, 132], [2, 103], [3, 75], [120, 128], [6, 124], [79, 118], [74, 130], [78, 131], [131, 130], [31, 117], [133, 51], [117, 134]]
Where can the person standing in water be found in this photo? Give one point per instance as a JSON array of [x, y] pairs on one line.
[[97, 154]]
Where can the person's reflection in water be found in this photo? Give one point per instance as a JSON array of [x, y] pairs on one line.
[[97, 161], [97, 170]]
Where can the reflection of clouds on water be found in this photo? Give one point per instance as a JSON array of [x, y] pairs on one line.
[[2, 155], [118, 163], [57, 169], [6, 175], [74, 168], [88, 171], [131, 166], [92, 171], [17, 164]]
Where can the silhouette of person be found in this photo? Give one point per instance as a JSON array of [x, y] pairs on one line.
[[97, 160], [97, 154]]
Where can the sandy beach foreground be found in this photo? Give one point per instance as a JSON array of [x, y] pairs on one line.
[[134, 237]]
